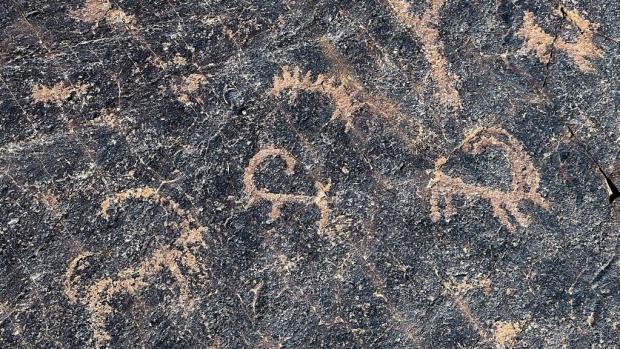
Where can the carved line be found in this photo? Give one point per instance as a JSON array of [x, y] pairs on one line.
[[524, 186], [582, 51], [425, 29], [348, 97], [278, 200], [292, 80], [97, 296]]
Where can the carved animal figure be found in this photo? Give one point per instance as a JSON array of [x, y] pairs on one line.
[[524, 186]]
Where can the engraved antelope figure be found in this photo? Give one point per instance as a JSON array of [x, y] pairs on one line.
[[524, 186]]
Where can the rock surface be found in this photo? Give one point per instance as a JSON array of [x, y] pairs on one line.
[[309, 174]]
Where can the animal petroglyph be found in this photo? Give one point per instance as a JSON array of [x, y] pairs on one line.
[[524, 186], [348, 96], [277, 200], [340, 94], [542, 44], [425, 29], [180, 256]]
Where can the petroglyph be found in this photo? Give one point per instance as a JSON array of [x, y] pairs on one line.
[[58, 93], [524, 186], [400, 123], [457, 292], [425, 29], [256, 195], [506, 333], [542, 44], [179, 60], [109, 119], [95, 11], [179, 257], [348, 96], [295, 82]]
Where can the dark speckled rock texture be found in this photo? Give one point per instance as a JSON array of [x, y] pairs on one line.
[[309, 174]]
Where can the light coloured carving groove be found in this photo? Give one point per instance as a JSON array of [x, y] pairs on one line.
[[524, 186], [277, 200], [97, 296]]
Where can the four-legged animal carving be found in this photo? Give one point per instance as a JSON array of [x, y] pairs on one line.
[[97, 297], [278, 200], [524, 186]]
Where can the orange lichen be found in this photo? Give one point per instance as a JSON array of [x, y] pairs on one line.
[[97, 296], [425, 29], [582, 51], [524, 186]]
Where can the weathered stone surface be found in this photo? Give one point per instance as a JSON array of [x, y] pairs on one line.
[[291, 174]]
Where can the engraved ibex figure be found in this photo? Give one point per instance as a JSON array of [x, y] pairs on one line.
[[524, 186]]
